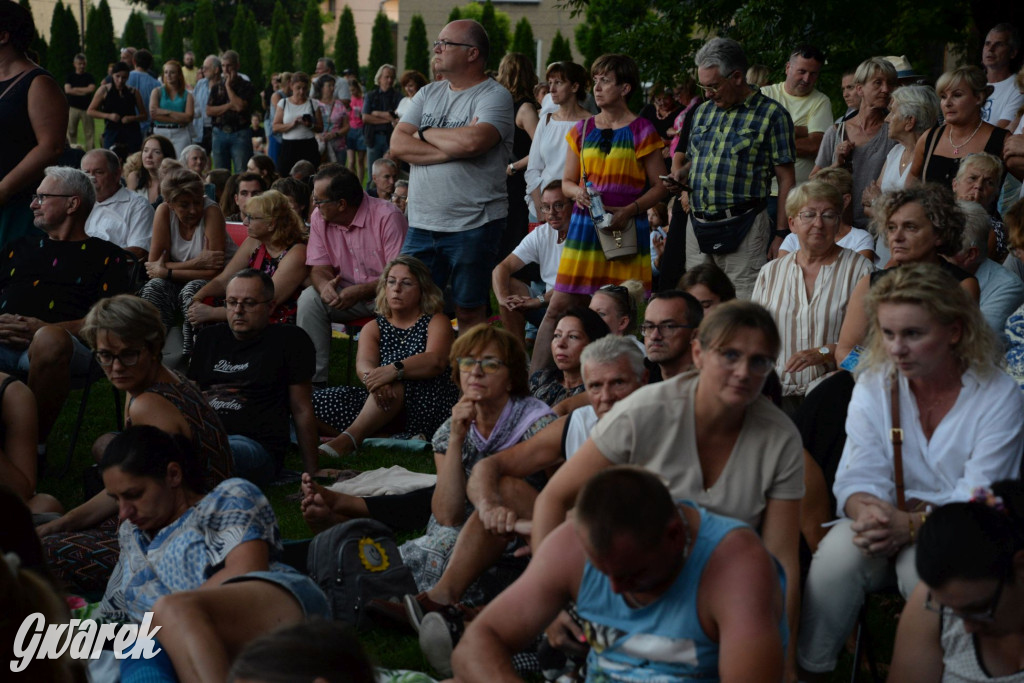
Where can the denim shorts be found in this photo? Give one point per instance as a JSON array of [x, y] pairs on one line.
[[305, 591], [465, 259], [354, 140], [16, 361]]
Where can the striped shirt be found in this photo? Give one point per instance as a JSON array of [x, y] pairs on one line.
[[735, 151], [807, 323]]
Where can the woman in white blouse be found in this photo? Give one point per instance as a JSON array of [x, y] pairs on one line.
[[962, 424], [567, 82]]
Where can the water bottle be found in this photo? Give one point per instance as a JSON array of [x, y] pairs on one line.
[[601, 219]]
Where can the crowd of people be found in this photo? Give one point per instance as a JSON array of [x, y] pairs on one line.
[[748, 362]]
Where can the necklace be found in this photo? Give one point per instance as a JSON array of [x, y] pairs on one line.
[[956, 147], [905, 158]]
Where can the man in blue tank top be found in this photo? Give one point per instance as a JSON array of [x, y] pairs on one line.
[[665, 592]]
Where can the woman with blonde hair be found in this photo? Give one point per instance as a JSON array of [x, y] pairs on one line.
[[275, 245], [928, 372], [171, 107], [402, 362], [847, 236]]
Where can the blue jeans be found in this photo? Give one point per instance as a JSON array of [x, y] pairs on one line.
[[251, 460], [232, 147], [377, 146], [466, 258]]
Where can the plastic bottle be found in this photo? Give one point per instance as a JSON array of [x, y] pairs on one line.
[[601, 219]]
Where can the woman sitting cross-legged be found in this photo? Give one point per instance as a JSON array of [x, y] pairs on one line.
[[929, 372], [403, 364], [206, 564]]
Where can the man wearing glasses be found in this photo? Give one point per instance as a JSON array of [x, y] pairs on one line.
[[352, 236], [669, 322], [47, 285], [740, 139], [457, 138], [256, 375]]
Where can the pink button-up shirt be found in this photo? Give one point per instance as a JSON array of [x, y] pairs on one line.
[[360, 250]]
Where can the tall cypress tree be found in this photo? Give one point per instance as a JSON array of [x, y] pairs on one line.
[[282, 53], [523, 40], [204, 31], [135, 32], [455, 14], [311, 47], [108, 48], [63, 42], [38, 45], [346, 45], [499, 38], [171, 42], [561, 51], [249, 51], [417, 49], [382, 46]]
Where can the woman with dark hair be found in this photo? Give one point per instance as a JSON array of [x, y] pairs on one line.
[[355, 143], [517, 75], [146, 181], [574, 329], [121, 107], [298, 195], [34, 129], [411, 82], [928, 372], [334, 114], [207, 565], [661, 110], [963, 621], [709, 285], [402, 362], [264, 165]]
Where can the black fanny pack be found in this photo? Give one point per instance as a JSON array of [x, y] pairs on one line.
[[726, 235]]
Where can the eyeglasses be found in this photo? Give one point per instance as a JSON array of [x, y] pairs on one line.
[[811, 216], [489, 366], [713, 89], [244, 304], [445, 44], [43, 196], [399, 199], [318, 202], [664, 329], [128, 357], [557, 207], [987, 615], [731, 358], [248, 217]]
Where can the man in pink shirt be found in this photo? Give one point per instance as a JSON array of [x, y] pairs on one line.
[[351, 238]]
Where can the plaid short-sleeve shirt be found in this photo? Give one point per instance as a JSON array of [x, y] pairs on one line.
[[734, 151]]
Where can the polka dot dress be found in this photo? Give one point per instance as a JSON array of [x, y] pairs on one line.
[[428, 402]]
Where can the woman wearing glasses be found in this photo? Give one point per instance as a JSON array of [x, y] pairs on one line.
[[402, 362], [275, 245], [127, 336], [930, 365], [808, 290], [963, 621]]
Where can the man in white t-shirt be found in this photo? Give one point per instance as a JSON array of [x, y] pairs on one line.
[[543, 247], [119, 216], [811, 112], [1002, 44]]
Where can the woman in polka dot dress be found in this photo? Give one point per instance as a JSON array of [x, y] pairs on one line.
[[402, 362]]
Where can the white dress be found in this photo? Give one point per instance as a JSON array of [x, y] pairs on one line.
[[547, 155]]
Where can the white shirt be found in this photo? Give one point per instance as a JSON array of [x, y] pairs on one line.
[[855, 240], [124, 218], [977, 443], [541, 247], [581, 421], [1004, 101]]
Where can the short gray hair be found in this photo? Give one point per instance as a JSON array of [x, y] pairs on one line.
[[609, 349], [724, 53], [74, 182], [919, 101], [401, 183], [185, 153], [382, 162], [977, 226], [230, 57], [216, 61], [113, 161]]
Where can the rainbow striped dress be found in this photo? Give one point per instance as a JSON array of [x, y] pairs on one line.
[[614, 166]]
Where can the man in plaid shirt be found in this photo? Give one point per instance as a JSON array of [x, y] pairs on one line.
[[739, 140]]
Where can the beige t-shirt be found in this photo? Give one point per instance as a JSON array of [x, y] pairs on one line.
[[654, 428], [813, 110]]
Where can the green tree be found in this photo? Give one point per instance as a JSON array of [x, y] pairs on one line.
[[417, 47], [523, 40], [454, 15], [204, 33], [346, 45], [38, 45], [312, 46], [100, 49], [135, 32], [173, 38], [497, 34], [249, 51], [589, 39], [282, 52], [63, 42], [561, 51], [382, 46]]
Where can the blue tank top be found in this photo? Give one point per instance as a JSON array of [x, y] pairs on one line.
[[176, 104], [662, 641]]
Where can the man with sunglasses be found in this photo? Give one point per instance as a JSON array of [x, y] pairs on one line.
[[47, 284], [740, 140], [457, 137], [256, 375], [352, 236]]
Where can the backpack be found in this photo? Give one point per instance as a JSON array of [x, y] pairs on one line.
[[356, 562]]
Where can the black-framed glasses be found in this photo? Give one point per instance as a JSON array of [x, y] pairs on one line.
[[664, 329], [605, 145], [489, 366], [43, 196], [248, 217], [986, 615], [128, 357], [244, 304], [445, 44], [319, 202], [731, 358]]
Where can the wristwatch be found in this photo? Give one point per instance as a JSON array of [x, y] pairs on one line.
[[825, 352], [512, 169], [400, 366], [423, 129]]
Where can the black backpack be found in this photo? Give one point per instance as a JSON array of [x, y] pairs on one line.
[[356, 562]]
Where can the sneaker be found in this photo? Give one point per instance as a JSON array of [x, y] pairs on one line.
[[439, 634]]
